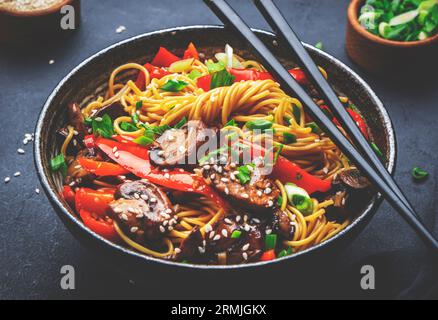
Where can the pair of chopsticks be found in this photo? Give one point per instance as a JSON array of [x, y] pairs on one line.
[[364, 156]]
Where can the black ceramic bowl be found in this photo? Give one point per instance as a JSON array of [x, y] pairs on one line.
[[94, 72]]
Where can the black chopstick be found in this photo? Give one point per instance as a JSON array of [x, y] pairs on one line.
[[279, 24], [290, 86]]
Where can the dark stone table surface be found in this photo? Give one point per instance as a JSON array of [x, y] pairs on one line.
[[34, 244]]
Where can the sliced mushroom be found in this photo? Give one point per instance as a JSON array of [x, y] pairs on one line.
[[76, 175], [350, 190], [259, 194], [143, 210], [114, 110], [190, 247], [282, 225], [179, 146], [76, 119], [245, 246]]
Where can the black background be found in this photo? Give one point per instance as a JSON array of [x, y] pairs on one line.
[[34, 244]]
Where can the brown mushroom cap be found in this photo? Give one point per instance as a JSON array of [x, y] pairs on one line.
[[143, 210]]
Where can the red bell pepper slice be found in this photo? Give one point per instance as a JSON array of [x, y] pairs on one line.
[[102, 168], [268, 256], [102, 226], [164, 58], [288, 172], [250, 74], [136, 160], [191, 52], [89, 141], [95, 201], [204, 83], [69, 196], [154, 72], [360, 122]]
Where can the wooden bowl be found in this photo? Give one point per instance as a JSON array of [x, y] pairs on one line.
[[22, 27], [382, 56]]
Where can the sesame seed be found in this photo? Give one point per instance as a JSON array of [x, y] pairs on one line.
[[245, 256], [236, 172], [245, 218], [136, 196], [161, 153], [168, 210], [247, 228], [162, 230], [232, 176], [213, 176], [270, 203], [255, 220], [225, 233], [37, 191], [245, 196], [259, 193], [225, 180], [227, 191], [170, 138], [153, 200], [167, 176], [7, 179], [268, 190], [114, 149], [233, 165], [204, 243], [134, 229], [268, 231], [51, 61], [343, 201], [140, 215], [116, 154], [217, 237], [238, 218], [132, 210], [170, 228], [20, 151], [123, 216], [228, 221], [177, 250], [17, 174], [201, 250], [208, 228], [144, 197], [207, 167], [325, 170], [211, 235], [120, 29], [25, 141], [165, 222], [245, 247]]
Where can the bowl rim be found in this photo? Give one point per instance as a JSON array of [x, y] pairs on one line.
[[352, 14], [55, 198], [38, 12]]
